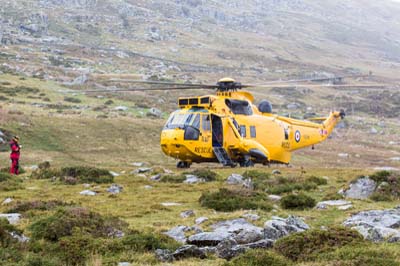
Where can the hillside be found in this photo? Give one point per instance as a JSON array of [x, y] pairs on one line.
[[96, 188]]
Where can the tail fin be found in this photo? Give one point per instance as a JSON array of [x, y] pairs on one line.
[[329, 124]]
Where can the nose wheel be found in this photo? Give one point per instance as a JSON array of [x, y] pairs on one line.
[[183, 165]]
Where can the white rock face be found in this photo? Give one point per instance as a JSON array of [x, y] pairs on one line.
[[13, 218], [361, 189], [333, 203], [88, 193], [377, 225]]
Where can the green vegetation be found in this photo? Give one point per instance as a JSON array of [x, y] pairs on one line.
[[9, 182], [231, 200], [307, 245], [259, 257], [388, 188], [37, 205], [75, 174], [297, 202], [205, 174], [72, 100]]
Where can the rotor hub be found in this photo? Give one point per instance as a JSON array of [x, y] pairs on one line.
[[228, 84]]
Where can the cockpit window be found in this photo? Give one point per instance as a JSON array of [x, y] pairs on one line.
[[239, 107], [177, 120]]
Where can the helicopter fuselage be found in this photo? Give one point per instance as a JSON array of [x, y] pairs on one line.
[[230, 129]]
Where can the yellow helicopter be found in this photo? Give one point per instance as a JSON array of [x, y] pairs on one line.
[[228, 128]]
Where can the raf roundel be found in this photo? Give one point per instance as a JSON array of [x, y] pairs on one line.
[[297, 136]]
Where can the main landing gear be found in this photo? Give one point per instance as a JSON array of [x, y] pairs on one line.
[[183, 165]]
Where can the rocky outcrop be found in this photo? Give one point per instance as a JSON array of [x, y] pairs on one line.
[[279, 227], [377, 225], [360, 189]]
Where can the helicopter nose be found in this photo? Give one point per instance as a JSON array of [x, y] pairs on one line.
[[172, 143]]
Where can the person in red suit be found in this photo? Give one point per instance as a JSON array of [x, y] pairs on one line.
[[14, 156]]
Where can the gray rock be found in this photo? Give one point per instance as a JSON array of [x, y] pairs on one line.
[[138, 164], [361, 189], [192, 179], [209, 250], [115, 189], [334, 203], [155, 177], [79, 80], [20, 237], [276, 172], [228, 248], [264, 243], [88, 193], [251, 216], [143, 170], [7, 201], [188, 213], [397, 159], [235, 179], [114, 174], [292, 106], [201, 220], [2, 140], [148, 187], [248, 236], [121, 108], [169, 204], [164, 255], [2, 134], [274, 197], [178, 233], [279, 227], [343, 155], [208, 238], [377, 225], [13, 218], [189, 251], [373, 131], [154, 112], [345, 207], [235, 226]]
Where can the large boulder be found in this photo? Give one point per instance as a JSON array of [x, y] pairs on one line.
[[13, 218], [235, 179], [279, 227], [178, 233], [189, 251], [361, 189], [377, 225], [208, 238]]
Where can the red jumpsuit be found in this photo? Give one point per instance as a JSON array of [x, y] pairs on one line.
[[14, 156]]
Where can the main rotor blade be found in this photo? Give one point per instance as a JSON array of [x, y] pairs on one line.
[[147, 89], [300, 80], [325, 85], [161, 83]]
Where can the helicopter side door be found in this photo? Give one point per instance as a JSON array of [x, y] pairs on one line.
[[217, 131]]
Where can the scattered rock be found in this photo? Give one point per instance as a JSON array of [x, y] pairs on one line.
[[292, 106], [121, 108], [377, 225], [7, 201], [155, 177], [208, 238], [20, 237], [88, 193], [143, 170], [115, 189], [235, 179], [336, 203], [79, 80], [397, 159], [148, 187], [114, 174], [188, 213], [228, 248], [168, 204], [188, 251], [201, 220], [13, 218], [343, 155], [345, 207], [164, 255], [86, 185], [138, 164], [154, 112], [274, 197], [276, 172], [34, 167], [279, 227], [373, 131], [192, 179], [361, 189], [386, 168], [264, 243], [251, 216], [178, 233]]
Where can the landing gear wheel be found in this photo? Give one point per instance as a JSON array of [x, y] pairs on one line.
[[246, 162], [183, 165]]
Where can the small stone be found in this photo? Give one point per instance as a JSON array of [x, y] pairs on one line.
[[121, 108], [178, 233], [164, 255], [115, 189], [345, 207], [201, 220], [155, 177], [114, 174], [274, 197], [88, 193], [325, 204], [276, 172], [192, 179], [13, 218], [188, 251], [168, 204], [373, 131], [7, 201], [148, 187], [343, 155], [154, 112], [138, 164], [188, 213], [235, 179], [34, 167], [20, 237], [251, 216], [86, 185], [143, 170]]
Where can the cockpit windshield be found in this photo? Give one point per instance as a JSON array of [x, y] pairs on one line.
[[178, 120]]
